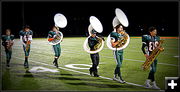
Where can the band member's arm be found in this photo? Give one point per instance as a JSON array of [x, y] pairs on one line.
[[113, 42], [50, 37], [3, 40], [21, 40], [30, 36], [144, 47], [12, 40]]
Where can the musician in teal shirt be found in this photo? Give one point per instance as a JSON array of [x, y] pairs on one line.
[[7, 42], [26, 39]]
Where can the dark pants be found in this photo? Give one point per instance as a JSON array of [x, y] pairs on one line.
[[95, 61], [152, 70], [8, 54]]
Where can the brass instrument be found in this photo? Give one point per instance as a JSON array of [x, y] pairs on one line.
[[99, 44], [153, 55], [122, 41]]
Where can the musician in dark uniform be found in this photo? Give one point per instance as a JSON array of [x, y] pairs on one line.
[[92, 41]]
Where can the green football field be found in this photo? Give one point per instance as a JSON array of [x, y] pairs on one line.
[[74, 62]]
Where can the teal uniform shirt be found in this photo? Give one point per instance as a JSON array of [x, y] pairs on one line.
[[6, 38], [26, 35], [51, 34], [57, 47], [149, 43]]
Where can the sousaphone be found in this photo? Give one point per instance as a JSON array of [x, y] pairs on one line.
[[97, 26], [60, 22], [120, 18]]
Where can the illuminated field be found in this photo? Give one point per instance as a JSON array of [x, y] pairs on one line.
[[66, 78]]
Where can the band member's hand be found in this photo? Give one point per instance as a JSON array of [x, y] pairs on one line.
[[50, 39], [28, 42], [147, 56], [122, 32]]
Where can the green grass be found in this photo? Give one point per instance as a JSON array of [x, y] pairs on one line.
[[17, 78]]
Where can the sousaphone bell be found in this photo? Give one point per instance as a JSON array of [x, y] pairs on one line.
[[120, 18], [96, 25], [60, 22]]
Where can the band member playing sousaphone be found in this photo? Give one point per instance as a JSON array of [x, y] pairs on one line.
[[26, 39], [55, 36], [151, 47], [93, 44], [117, 41], [7, 42]]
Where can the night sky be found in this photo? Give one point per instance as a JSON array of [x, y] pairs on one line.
[[40, 16]]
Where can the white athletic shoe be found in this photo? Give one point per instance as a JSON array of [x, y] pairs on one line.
[[118, 79], [147, 83], [121, 80], [154, 86]]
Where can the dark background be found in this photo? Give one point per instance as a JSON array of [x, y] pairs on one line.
[[40, 16]]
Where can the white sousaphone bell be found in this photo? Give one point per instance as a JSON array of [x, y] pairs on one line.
[[60, 22], [120, 18], [97, 26]]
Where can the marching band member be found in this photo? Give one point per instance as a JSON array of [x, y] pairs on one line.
[[7, 42], [94, 44], [149, 42], [92, 41], [118, 40], [55, 34], [26, 39], [118, 54]]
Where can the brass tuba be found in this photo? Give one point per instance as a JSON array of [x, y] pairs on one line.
[[153, 55], [120, 18], [97, 26], [60, 22]]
